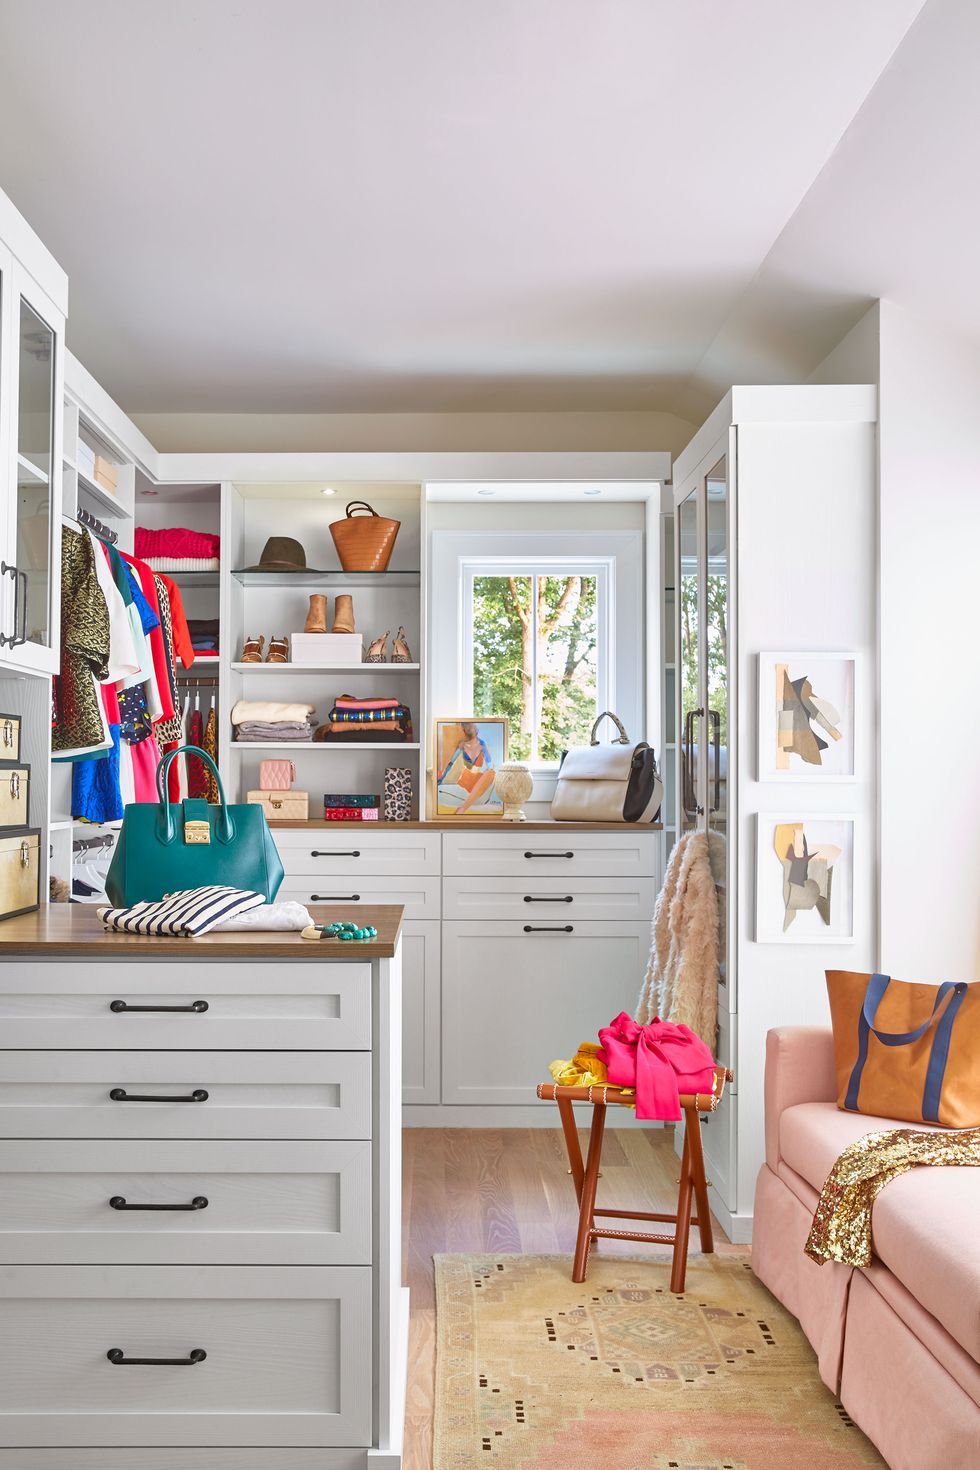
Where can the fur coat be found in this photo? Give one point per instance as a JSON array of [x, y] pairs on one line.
[[681, 982]]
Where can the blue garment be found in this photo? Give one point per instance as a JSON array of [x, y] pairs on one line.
[[148, 617], [95, 791]]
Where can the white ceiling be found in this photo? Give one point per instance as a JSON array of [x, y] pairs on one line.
[[421, 205]]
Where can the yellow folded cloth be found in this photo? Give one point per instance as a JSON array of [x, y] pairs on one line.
[[584, 1070]]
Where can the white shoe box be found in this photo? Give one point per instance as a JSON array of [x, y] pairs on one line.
[[326, 648]]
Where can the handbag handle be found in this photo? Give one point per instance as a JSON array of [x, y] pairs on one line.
[[353, 505], [939, 1051], [873, 997], [621, 739], [226, 827]]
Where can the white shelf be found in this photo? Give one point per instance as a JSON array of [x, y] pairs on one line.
[[64, 825], [104, 499], [341, 745], [326, 668], [28, 473]]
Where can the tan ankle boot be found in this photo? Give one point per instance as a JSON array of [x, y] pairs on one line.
[[343, 613], [316, 618]]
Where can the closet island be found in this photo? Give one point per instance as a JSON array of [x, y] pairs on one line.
[[201, 1148]]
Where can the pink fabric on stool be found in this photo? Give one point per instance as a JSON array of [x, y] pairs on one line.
[[660, 1060]]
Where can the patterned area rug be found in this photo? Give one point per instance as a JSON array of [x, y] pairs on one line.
[[535, 1373]]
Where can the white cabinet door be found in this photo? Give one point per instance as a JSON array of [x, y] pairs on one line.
[[559, 853], [162, 1202], [534, 897], [101, 1094], [349, 853], [515, 996], [421, 1018], [418, 896], [288, 1355]]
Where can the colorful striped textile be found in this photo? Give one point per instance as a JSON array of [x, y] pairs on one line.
[[185, 915]]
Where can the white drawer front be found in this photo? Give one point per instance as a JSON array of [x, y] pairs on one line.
[[299, 1006], [420, 897], [80, 1203], [190, 1459], [287, 1350], [558, 854], [549, 990], [538, 895], [349, 852], [66, 1094]]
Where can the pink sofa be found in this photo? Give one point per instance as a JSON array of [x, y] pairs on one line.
[[899, 1342]]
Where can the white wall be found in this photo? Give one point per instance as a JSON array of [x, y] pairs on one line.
[[856, 358], [930, 685]]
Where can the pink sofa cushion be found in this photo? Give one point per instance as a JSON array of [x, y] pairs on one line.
[[924, 1223]]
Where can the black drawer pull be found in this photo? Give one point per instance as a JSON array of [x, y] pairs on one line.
[[119, 1094], [118, 1359], [549, 854], [333, 853], [548, 929], [119, 1202], [335, 898], [548, 898], [197, 1006]]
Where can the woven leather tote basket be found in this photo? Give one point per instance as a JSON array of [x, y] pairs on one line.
[[364, 541]]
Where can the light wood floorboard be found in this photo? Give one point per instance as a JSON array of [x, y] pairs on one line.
[[472, 1190]]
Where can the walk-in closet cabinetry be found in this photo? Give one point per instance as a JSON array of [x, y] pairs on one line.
[[774, 508]]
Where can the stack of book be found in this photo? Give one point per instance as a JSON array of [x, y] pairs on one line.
[[350, 807]]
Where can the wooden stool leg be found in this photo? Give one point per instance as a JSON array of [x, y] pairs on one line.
[[586, 1218], [567, 1115], [678, 1270], [700, 1182]]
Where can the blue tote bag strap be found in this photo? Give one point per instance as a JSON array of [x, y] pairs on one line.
[[873, 997]]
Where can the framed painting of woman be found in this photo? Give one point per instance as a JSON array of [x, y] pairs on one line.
[[468, 754]]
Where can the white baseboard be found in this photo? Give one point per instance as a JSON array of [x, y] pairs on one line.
[[534, 1115], [738, 1227]]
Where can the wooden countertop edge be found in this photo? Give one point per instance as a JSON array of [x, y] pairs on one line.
[[446, 824], [75, 930]]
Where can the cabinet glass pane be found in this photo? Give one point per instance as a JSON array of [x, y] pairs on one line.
[[716, 634], [689, 600], [35, 433]]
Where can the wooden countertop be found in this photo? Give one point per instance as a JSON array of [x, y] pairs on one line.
[[484, 824], [75, 929]]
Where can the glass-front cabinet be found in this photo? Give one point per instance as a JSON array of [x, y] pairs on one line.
[[704, 648], [31, 370]]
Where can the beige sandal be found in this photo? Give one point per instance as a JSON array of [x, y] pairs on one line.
[[400, 652], [377, 653], [278, 650], [252, 651]]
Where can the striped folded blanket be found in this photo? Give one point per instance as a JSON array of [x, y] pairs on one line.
[[186, 914], [347, 702], [340, 715]]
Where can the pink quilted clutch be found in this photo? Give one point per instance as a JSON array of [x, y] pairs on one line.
[[276, 775]]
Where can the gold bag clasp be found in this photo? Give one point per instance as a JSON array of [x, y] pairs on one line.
[[197, 832]]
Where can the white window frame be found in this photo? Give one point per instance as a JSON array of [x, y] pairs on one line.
[[604, 571]]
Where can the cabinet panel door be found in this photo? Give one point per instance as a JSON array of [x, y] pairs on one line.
[[535, 897], [421, 1017], [347, 852], [420, 897], [288, 1355], [307, 1005], [514, 1000], [561, 853], [162, 1202], [273, 1094]]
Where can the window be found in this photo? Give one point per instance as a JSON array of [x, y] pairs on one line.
[[534, 649]]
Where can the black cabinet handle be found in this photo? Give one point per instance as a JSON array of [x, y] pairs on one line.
[[548, 929], [549, 854], [548, 898], [119, 1202], [197, 1006], [118, 1359], [119, 1094], [335, 898], [334, 853]]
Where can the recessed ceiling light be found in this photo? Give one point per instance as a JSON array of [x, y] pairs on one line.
[[486, 492], [593, 491], [328, 490]]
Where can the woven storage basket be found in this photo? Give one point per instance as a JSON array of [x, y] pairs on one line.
[[364, 542]]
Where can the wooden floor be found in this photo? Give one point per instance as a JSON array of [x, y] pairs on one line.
[[472, 1190]]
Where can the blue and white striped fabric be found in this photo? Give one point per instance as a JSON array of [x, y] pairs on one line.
[[185, 915]]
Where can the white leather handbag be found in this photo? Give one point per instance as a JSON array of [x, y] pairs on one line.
[[608, 783]]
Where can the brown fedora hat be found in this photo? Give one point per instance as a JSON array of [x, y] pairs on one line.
[[281, 554]]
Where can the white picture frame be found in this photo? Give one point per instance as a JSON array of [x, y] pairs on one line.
[[808, 924], [834, 680]]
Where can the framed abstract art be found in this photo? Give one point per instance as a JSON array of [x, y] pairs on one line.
[[804, 887], [808, 716]]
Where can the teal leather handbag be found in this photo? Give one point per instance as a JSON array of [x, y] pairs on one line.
[[164, 848]]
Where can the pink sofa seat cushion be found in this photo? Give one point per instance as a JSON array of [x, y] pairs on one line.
[[924, 1223]]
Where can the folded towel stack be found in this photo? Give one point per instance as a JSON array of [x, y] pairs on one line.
[[204, 636], [366, 721], [268, 720], [177, 549]]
